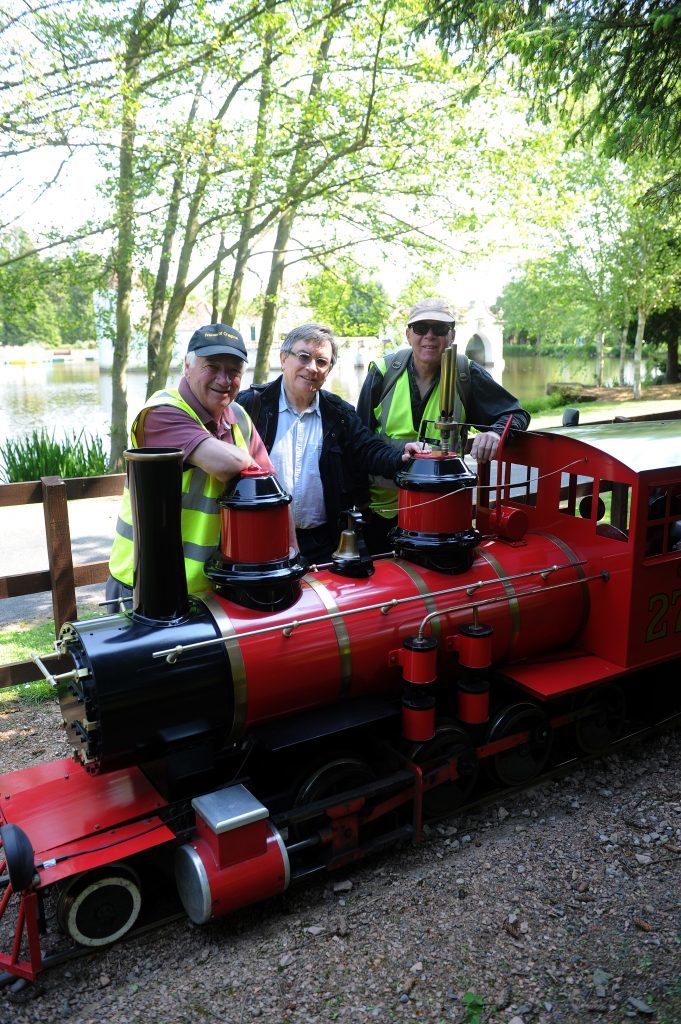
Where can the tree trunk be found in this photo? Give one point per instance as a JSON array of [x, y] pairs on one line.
[[672, 375], [600, 356], [285, 227], [125, 203], [154, 381], [246, 228], [638, 349], [269, 315], [623, 353], [216, 279], [181, 290]]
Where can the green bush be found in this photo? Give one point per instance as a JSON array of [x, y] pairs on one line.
[[41, 454], [544, 404]]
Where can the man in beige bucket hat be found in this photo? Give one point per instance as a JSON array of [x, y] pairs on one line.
[[403, 388]]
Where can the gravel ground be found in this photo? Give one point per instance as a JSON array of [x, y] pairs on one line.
[[557, 905]]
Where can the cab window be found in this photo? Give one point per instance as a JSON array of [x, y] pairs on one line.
[[663, 530], [606, 503]]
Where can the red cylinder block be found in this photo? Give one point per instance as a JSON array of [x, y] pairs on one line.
[[223, 890], [254, 519], [237, 856]]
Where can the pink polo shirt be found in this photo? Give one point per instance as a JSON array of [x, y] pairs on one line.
[[165, 426]]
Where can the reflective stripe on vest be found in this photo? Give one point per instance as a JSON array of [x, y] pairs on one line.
[[200, 513], [395, 424]]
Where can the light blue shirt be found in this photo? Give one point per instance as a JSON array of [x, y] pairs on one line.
[[295, 456]]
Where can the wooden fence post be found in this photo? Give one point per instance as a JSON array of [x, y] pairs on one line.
[[59, 552]]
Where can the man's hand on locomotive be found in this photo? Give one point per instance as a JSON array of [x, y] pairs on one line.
[[413, 448], [485, 445]]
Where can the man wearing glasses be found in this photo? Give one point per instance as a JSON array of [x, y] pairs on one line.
[[218, 440], [321, 451], [403, 389]]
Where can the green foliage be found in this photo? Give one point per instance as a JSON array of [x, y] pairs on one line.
[[544, 404], [421, 285], [41, 454], [352, 305], [613, 258], [474, 1008], [616, 63], [45, 301]]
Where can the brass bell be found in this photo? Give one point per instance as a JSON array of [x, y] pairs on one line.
[[351, 557], [347, 546]]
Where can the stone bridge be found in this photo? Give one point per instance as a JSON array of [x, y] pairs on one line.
[[479, 335]]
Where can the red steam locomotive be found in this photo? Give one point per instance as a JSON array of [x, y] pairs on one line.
[[298, 719]]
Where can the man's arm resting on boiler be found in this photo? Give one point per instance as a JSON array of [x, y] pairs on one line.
[[220, 459]]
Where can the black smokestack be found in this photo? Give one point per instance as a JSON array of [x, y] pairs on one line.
[[159, 578]]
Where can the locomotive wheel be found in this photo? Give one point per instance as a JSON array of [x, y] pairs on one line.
[[450, 740], [328, 780], [333, 778], [604, 714], [100, 906], [519, 765]]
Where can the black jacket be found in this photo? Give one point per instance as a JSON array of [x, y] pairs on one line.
[[349, 450], [488, 406]]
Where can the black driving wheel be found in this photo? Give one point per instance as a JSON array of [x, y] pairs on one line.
[[523, 761], [328, 780], [100, 906], [333, 778], [449, 741], [602, 714]]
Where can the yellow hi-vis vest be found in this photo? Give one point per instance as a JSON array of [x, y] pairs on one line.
[[200, 513], [395, 425]]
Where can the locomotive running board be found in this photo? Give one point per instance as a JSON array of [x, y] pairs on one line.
[[562, 673]]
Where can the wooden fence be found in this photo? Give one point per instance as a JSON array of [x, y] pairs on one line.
[[61, 577]]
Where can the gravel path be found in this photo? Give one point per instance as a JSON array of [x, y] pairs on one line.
[[558, 905]]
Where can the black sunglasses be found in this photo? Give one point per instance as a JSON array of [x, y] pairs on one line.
[[439, 329]]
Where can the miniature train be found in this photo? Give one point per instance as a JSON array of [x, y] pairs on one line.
[[296, 719]]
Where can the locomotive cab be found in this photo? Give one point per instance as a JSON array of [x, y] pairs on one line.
[[611, 494]]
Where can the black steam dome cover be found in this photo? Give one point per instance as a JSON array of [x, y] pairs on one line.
[[254, 488], [426, 473]]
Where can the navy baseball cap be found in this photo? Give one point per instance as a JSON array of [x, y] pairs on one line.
[[218, 340]]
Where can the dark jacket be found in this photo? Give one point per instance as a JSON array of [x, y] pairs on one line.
[[487, 407], [349, 450]]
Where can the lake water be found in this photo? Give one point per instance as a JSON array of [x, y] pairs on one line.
[[73, 396]]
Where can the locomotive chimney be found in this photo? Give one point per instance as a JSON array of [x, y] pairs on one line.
[[159, 577]]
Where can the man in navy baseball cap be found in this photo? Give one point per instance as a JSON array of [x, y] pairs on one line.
[[218, 340], [218, 440]]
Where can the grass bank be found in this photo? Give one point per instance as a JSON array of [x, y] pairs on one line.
[[656, 400], [19, 640]]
